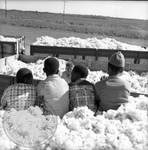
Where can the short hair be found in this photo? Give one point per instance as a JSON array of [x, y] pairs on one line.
[[24, 75], [69, 64], [82, 70], [115, 69], [51, 65]]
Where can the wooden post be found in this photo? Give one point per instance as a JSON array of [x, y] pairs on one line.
[[64, 11], [5, 8]]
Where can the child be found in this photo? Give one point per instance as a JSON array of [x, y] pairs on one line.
[[67, 73], [81, 91], [22, 94]]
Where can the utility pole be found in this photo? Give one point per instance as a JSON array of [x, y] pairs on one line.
[[5, 8], [64, 11]]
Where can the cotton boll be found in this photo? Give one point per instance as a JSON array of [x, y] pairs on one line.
[[100, 121], [86, 124], [142, 103], [46, 40], [112, 140], [61, 134], [124, 143], [135, 135], [95, 76], [138, 136], [2, 113], [70, 145], [35, 111], [48, 148], [89, 141], [98, 127], [80, 112], [83, 43], [112, 128], [100, 44], [136, 115], [129, 107], [73, 124], [73, 142], [6, 144], [101, 143], [110, 114], [110, 43], [140, 147]]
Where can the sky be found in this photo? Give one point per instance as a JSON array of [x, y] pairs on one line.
[[122, 9]]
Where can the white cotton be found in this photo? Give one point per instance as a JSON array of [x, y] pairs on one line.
[[8, 39], [124, 143], [28, 127], [73, 124], [123, 129], [106, 43]]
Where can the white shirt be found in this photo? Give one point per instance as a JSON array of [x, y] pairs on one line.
[[55, 91]]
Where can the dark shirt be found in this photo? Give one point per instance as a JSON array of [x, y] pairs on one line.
[[112, 92], [82, 93]]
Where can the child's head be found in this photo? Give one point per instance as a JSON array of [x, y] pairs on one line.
[[51, 66], [79, 72], [24, 75], [69, 66]]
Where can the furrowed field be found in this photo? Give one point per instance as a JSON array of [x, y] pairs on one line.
[[34, 24]]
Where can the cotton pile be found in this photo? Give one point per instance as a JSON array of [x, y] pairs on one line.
[[8, 39], [12, 67], [139, 83], [27, 128], [105, 43], [122, 129]]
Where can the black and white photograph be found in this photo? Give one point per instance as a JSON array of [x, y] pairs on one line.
[[73, 75]]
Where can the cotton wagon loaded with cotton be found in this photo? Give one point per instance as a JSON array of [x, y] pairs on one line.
[[10, 66], [10, 45], [94, 53], [91, 51], [122, 129]]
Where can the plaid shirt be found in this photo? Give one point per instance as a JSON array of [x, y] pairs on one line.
[[19, 96], [82, 93]]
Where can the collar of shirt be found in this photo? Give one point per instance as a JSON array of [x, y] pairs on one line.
[[80, 80], [52, 77], [114, 76]]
